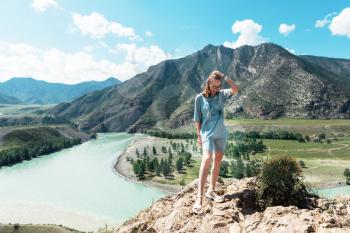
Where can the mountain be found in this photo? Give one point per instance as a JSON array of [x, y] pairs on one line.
[[5, 99], [31, 91], [238, 213], [274, 82], [340, 67]]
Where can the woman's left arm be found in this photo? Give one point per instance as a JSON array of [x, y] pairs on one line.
[[234, 87]]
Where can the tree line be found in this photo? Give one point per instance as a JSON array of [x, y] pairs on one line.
[[25, 144], [163, 134]]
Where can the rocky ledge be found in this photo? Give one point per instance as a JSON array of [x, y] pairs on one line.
[[239, 213]]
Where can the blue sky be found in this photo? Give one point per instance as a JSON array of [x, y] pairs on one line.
[[72, 41]]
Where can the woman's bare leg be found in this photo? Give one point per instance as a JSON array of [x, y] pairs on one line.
[[218, 155], [203, 171]]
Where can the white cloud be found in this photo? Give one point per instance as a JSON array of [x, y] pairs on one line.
[[143, 56], [149, 33], [326, 20], [42, 5], [340, 25], [54, 65], [285, 29], [248, 34], [97, 26]]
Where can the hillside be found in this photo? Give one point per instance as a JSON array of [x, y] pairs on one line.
[[5, 99], [275, 84], [24, 143]]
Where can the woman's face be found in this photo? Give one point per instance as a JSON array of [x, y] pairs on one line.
[[215, 86]]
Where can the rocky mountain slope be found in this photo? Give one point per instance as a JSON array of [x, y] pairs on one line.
[[275, 82]]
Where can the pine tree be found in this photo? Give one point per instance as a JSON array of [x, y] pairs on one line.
[[179, 164], [139, 169], [170, 159], [187, 158], [150, 166], [156, 166], [154, 150], [170, 152], [166, 169]]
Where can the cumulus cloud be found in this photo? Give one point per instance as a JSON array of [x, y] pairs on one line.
[[149, 34], [340, 25], [248, 34], [143, 56], [42, 5], [54, 65], [285, 29], [97, 26], [326, 20]]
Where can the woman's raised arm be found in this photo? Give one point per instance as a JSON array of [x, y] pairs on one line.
[[234, 87]]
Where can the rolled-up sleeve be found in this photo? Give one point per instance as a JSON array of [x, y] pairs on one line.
[[197, 116]]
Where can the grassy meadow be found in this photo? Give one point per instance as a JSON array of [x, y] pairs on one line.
[[324, 161]]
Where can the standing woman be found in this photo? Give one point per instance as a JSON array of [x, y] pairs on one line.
[[211, 132]]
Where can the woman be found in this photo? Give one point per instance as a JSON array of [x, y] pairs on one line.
[[211, 131]]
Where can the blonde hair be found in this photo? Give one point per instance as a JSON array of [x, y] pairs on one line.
[[215, 75]]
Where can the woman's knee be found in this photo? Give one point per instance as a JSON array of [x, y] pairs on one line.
[[218, 156], [206, 157]]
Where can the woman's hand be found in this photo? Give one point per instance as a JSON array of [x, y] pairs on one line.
[[199, 140], [233, 86], [222, 75]]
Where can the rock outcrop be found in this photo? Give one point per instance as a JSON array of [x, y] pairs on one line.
[[238, 213]]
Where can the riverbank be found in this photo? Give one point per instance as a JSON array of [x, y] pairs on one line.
[[124, 168], [19, 144]]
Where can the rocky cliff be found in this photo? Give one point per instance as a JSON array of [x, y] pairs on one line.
[[239, 213]]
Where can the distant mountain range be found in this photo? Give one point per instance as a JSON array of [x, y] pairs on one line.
[[31, 91], [276, 84], [5, 99]]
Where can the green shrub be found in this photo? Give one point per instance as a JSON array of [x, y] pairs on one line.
[[223, 168], [281, 183]]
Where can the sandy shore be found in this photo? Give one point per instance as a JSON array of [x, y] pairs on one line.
[[124, 168]]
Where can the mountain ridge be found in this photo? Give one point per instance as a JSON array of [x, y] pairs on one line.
[[276, 84], [31, 91]]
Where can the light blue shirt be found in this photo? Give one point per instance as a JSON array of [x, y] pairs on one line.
[[210, 112]]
